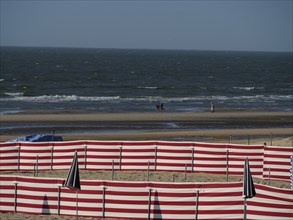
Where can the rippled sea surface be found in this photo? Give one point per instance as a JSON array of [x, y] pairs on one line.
[[112, 80]]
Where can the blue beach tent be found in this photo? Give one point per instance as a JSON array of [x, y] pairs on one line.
[[37, 138]]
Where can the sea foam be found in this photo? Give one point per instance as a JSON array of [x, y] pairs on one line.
[[69, 98]]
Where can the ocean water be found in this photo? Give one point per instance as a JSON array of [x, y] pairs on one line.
[[124, 80]]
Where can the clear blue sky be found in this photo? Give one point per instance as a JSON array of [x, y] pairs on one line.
[[193, 25]]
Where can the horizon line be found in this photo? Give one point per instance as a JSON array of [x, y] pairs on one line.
[[123, 48]]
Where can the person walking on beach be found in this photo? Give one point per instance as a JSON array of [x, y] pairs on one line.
[[160, 107], [212, 107]]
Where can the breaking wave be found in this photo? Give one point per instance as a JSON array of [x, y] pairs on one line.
[[14, 94], [249, 88], [58, 98], [147, 87], [74, 98]]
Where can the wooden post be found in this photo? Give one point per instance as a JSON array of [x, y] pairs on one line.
[[269, 176], [112, 169], [149, 203], [196, 205], [244, 209], [227, 165], [104, 202], [15, 197], [291, 174], [271, 138], [59, 199], [248, 140], [85, 156], [148, 177], [53, 134], [18, 160], [192, 160], [120, 159], [37, 164], [76, 204], [185, 179], [52, 157], [156, 155], [230, 139]]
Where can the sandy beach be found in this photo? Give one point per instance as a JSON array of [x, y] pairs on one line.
[[260, 127], [201, 126], [230, 115], [244, 127]]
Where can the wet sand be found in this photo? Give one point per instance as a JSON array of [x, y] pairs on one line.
[[230, 115], [150, 125]]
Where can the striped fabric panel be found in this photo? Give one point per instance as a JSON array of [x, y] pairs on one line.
[[102, 158], [137, 156], [277, 163], [131, 199], [63, 154], [223, 202], [37, 196], [210, 158], [162, 155], [270, 203], [8, 157], [29, 155], [237, 155], [174, 157]]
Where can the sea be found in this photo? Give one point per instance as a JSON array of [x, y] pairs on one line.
[[136, 80]]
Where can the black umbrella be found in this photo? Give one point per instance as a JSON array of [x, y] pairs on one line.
[[72, 180], [248, 187]]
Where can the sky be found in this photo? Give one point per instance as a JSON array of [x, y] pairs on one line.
[[245, 25]]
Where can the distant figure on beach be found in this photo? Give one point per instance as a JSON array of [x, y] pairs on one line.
[[212, 107], [160, 107]]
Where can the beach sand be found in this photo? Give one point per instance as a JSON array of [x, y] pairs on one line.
[[211, 127], [228, 115], [243, 126]]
